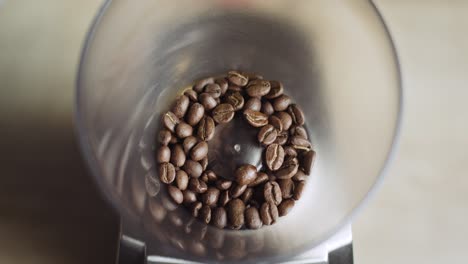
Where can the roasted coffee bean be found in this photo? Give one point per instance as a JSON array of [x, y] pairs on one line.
[[252, 218], [288, 170], [204, 177], [206, 128], [170, 121], [235, 213], [183, 130], [285, 207], [164, 137], [272, 192], [258, 88], [237, 78], [223, 113], [195, 208], [178, 155], [300, 143], [224, 198], [218, 101], [195, 114], [267, 135], [175, 194], [236, 100], [255, 118], [210, 197], [193, 168], [253, 104], [300, 176], [274, 156], [199, 151], [189, 196], [271, 177], [247, 195], [223, 184], [219, 217], [211, 175], [286, 120], [261, 178], [287, 188], [197, 186], [188, 143], [281, 103], [267, 108], [299, 131], [223, 84], [296, 114], [276, 123], [192, 95], [290, 151], [182, 179], [246, 174], [237, 190], [276, 90], [307, 161], [282, 138], [252, 76], [198, 87], [234, 88], [163, 155], [207, 101], [181, 105], [268, 213], [213, 89], [205, 214], [204, 162], [167, 172], [174, 139], [298, 189]]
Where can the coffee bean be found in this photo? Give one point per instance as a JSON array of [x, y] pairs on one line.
[[183, 130], [234, 88], [285, 207], [298, 131], [188, 143], [206, 128], [195, 114], [290, 151], [296, 114], [170, 120], [267, 135], [223, 113], [288, 170], [236, 100], [298, 189], [198, 87], [211, 175], [282, 138], [276, 123], [204, 163], [207, 101], [252, 76], [307, 161], [175, 194], [205, 214], [223, 184], [255, 118], [274, 156], [246, 174], [301, 143], [286, 120], [258, 88], [224, 198], [252, 218], [261, 178], [247, 195], [223, 84], [181, 105], [204, 177], [271, 177], [164, 137], [193, 168], [267, 108], [272, 192], [300, 176], [182, 179], [237, 190], [199, 151], [287, 188], [253, 104], [195, 208], [281, 103], [178, 155], [210, 197], [197, 186], [237, 78], [213, 89], [276, 90], [268, 213], [163, 155], [167, 173], [189, 196], [235, 213], [192, 95], [219, 217]]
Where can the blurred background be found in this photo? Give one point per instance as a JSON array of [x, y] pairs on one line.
[[51, 212]]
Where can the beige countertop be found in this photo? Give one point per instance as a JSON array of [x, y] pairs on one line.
[[51, 214]]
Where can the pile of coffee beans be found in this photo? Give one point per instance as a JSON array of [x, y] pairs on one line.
[[255, 198]]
